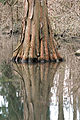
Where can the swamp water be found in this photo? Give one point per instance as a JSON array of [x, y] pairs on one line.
[[39, 92]]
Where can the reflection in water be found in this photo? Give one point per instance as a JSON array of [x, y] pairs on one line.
[[66, 95], [11, 107], [38, 80], [56, 105], [40, 92]]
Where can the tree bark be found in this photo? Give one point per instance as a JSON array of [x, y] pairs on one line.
[[36, 43]]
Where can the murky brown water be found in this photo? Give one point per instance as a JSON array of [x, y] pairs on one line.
[[40, 92]]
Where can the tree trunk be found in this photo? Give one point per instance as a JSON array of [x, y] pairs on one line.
[[36, 43]]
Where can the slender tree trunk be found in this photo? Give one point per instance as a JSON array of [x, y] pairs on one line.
[[12, 26], [17, 12], [36, 43]]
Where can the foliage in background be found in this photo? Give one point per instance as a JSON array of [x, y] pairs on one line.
[[65, 17], [10, 2], [3, 1]]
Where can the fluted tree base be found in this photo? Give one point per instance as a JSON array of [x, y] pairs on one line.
[[36, 43]]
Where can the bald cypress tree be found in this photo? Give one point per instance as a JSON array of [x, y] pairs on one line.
[[36, 43]]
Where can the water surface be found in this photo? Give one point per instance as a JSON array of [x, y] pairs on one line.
[[40, 92]]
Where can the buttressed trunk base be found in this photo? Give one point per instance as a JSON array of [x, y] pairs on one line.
[[36, 43]]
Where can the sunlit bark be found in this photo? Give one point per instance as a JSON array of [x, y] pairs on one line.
[[36, 43]]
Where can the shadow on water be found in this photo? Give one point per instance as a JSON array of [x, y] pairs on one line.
[[39, 92]]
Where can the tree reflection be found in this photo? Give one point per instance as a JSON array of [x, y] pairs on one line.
[[28, 95], [60, 106], [37, 81], [67, 85], [11, 107]]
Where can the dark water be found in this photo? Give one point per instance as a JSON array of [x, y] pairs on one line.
[[40, 92]]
